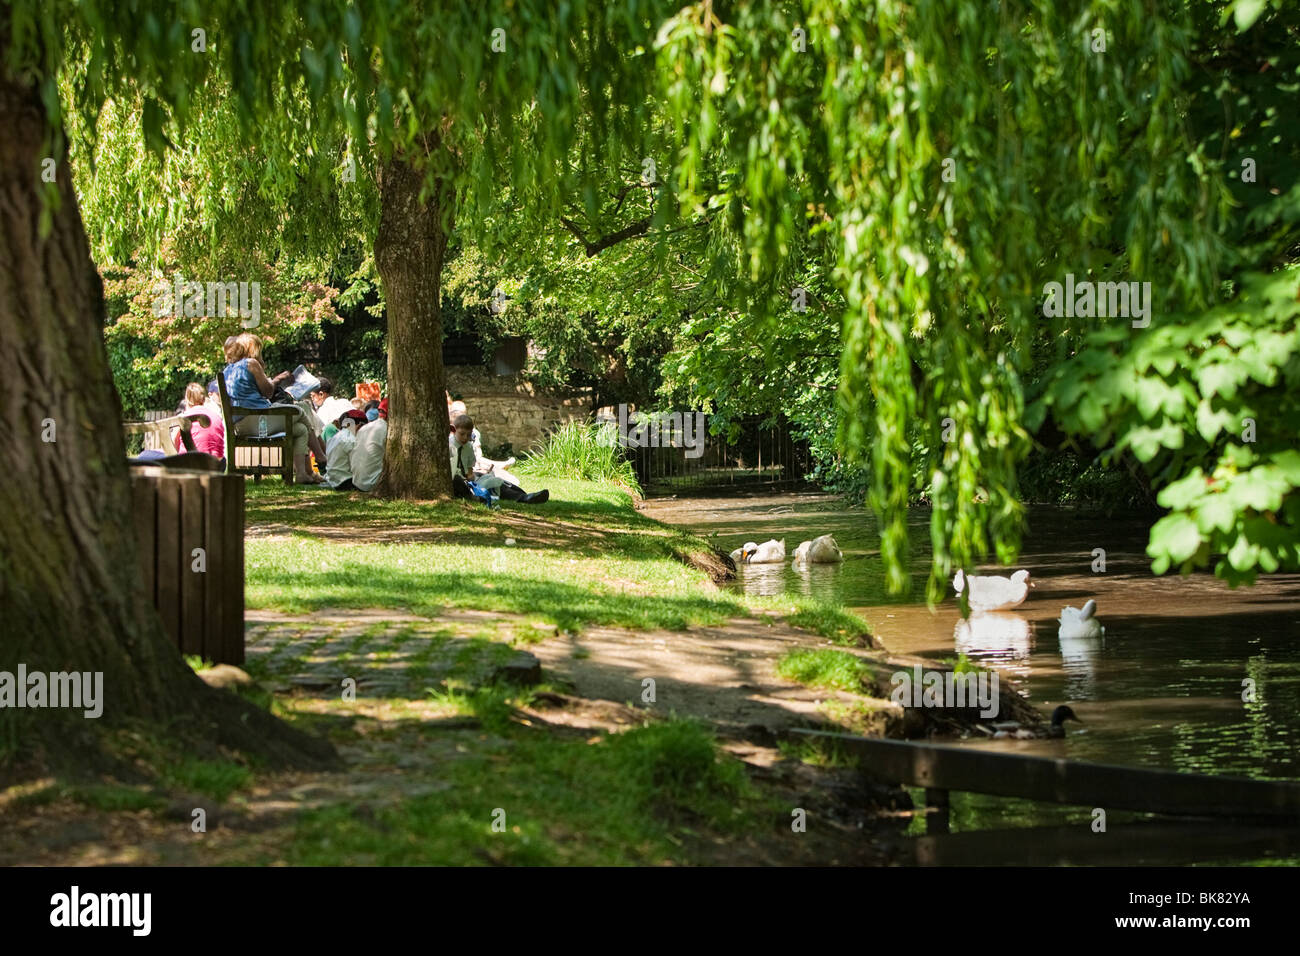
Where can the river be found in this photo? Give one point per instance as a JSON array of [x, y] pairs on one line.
[[1162, 689]]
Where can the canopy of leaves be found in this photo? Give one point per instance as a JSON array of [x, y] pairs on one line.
[[923, 169]]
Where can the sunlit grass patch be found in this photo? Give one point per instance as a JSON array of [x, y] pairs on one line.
[[841, 626], [818, 752], [838, 670]]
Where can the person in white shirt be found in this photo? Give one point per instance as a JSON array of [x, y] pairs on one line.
[[368, 456], [339, 470], [328, 406]]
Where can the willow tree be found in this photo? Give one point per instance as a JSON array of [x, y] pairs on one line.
[[965, 156], [380, 126], [437, 126]]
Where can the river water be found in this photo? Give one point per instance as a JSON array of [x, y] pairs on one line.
[[1163, 689]]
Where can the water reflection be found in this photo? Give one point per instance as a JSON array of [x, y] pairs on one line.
[[1164, 687], [767, 580], [1080, 657], [995, 638]]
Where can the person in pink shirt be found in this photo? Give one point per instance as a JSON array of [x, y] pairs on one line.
[[212, 439]]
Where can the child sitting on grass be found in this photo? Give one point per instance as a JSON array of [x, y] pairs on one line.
[[467, 468]]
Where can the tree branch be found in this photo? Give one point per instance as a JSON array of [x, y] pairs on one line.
[[638, 228]]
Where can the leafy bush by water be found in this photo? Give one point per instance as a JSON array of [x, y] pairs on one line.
[[584, 452]]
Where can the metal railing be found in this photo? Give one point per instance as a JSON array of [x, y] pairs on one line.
[[759, 456]]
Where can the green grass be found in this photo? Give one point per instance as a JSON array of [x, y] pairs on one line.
[[818, 752], [214, 778], [830, 620], [581, 451], [586, 557], [838, 670], [628, 799]]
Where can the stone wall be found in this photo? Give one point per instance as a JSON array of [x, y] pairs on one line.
[[506, 408]]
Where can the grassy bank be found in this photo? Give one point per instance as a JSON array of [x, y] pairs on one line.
[[585, 557], [384, 627]]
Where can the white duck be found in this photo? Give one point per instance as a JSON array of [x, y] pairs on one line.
[[1080, 622], [769, 552], [991, 592], [739, 554], [821, 550]]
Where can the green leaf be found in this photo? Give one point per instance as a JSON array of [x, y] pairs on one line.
[[1288, 464], [1180, 495], [1210, 422], [1246, 12], [1176, 536], [1261, 488], [1242, 554], [1150, 396], [1215, 513]]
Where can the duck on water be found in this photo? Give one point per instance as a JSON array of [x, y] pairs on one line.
[[1018, 731], [993, 592]]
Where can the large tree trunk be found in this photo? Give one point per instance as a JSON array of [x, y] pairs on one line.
[[71, 598], [409, 249]]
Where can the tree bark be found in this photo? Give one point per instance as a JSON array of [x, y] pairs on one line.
[[71, 597], [409, 249]]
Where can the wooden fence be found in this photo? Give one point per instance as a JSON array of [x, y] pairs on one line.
[[941, 768], [190, 541]]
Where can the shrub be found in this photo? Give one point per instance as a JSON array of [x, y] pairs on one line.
[[584, 452]]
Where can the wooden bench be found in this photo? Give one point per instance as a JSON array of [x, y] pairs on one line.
[[250, 454], [160, 431]]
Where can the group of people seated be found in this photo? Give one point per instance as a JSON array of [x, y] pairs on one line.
[[345, 437], [346, 441]]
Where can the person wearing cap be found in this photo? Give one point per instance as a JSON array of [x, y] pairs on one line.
[[342, 450], [368, 458]]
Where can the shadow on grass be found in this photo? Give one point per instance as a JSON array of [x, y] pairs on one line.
[[550, 801], [581, 518], [361, 584]]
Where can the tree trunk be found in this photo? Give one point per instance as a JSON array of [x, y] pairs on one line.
[[71, 598], [409, 249]]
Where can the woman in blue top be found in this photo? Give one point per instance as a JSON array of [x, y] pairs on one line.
[[249, 387]]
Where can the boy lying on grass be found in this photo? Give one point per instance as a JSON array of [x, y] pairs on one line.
[[468, 468]]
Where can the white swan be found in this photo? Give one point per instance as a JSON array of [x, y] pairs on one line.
[[769, 552], [821, 550], [1080, 623], [991, 592]]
